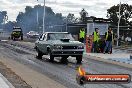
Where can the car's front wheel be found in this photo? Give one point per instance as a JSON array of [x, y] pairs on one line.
[[12, 37], [51, 59], [21, 37], [79, 59], [40, 54]]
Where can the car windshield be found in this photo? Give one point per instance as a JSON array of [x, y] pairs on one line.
[[17, 30], [58, 36]]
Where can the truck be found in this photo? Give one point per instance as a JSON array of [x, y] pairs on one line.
[[17, 33]]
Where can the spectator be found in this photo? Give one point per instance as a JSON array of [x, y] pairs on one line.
[[128, 40], [108, 38]]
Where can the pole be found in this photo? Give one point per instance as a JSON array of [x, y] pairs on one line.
[[88, 29], [66, 24], [3, 26], [5, 19], [118, 35], [37, 18], [44, 18]]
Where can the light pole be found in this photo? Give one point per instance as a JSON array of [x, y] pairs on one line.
[[66, 23], [118, 34], [44, 18], [5, 20], [37, 18]]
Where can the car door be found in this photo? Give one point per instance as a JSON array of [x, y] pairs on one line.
[[39, 42], [43, 43]]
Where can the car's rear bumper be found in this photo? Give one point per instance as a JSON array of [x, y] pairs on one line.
[[67, 52]]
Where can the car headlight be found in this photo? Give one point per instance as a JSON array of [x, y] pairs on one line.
[[80, 47]]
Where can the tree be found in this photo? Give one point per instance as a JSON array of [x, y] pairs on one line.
[[9, 26], [28, 9], [29, 20], [71, 18], [83, 15], [126, 14], [3, 16]]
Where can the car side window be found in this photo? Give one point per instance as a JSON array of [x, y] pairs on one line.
[[45, 37], [42, 37]]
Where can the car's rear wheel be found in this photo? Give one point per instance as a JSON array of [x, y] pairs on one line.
[[79, 59], [14, 39]]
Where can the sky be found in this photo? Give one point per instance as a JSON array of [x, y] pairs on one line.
[[96, 8]]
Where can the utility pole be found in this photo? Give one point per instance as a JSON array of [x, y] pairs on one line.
[[118, 32], [44, 18]]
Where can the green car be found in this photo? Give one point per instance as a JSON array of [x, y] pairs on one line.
[[59, 44]]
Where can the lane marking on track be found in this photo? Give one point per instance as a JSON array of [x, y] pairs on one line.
[[4, 40], [4, 83]]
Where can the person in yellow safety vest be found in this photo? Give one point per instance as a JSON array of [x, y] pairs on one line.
[[96, 37], [108, 41], [82, 35]]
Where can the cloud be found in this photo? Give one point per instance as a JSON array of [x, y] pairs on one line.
[[93, 7]]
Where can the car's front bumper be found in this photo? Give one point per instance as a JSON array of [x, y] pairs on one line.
[[67, 52]]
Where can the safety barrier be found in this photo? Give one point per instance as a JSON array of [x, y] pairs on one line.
[[89, 43]]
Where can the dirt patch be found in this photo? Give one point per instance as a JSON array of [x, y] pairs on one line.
[[13, 78]]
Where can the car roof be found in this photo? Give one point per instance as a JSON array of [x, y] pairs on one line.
[[55, 32], [16, 27]]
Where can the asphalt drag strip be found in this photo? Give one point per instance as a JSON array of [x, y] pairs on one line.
[[64, 74]]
